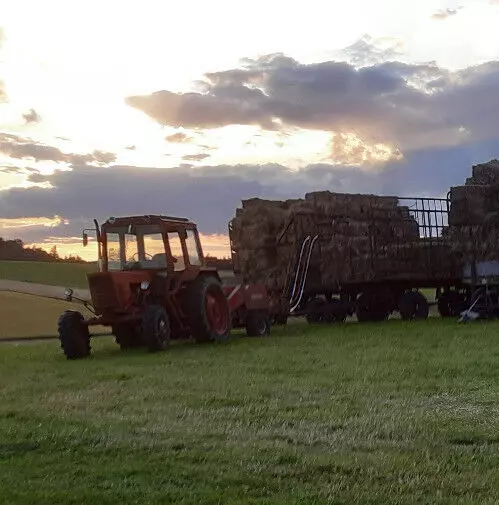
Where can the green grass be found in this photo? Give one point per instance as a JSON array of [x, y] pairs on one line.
[[57, 274], [31, 316], [357, 414]]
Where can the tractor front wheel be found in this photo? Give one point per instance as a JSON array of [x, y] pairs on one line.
[[207, 310], [156, 328], [74, 335]]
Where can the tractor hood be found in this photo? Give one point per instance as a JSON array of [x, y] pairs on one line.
[[115, 292]]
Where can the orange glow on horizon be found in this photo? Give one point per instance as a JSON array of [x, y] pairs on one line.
[[213, 245]]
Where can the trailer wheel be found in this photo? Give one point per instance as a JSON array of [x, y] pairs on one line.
[[335, 312], [74, 335], [413, 305], [316, 310], [371, 307], [127, 336], [156, 328], [207, 310], [257, 324], [451, 304]]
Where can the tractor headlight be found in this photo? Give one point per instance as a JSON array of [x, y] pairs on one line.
[[144, 285], [68, 292]]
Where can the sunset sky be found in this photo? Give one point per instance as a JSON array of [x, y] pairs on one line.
[[112, 108]]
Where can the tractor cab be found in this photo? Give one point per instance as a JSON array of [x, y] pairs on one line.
[[149, 243]]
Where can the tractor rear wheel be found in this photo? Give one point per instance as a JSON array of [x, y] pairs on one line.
[[127, 336], [156, 328], [257, 323], [74, 335], [207, 310]]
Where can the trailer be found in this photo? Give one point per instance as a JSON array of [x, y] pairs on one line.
[[382, 261]]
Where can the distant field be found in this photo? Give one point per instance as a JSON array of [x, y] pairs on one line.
[[56, 274], [26, 315], [384, 413]]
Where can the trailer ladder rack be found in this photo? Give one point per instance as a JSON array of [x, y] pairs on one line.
[[302, 271]]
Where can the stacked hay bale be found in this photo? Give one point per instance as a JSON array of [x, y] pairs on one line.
[[474, 214], [357, 238]]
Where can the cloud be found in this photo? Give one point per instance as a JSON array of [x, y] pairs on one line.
[[368, 51], [195, 157], [18, 147], [32, 117], [445, 13], [178, 138], [3, 95], [407, 105], [210, 194]]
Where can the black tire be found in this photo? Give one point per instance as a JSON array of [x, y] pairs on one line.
[[207, 324], [371, 308], [451, 304], [257, 324], [335, 312], [413, 305], [316, 310], [127, 336], [74, 335], [156, 328]]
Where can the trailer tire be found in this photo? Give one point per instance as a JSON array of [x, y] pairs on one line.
[[207, 310], [156, 328], [371, 308], [257, 323], [74, 335], [451, 304], [413, 305], [316, 310], [335, 312]]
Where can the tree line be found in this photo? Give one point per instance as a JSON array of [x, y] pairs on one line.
[[16, 250]]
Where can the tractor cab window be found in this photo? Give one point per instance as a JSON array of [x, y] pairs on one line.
[[135, 248], [176, 250], [193, 248], [113, 251]]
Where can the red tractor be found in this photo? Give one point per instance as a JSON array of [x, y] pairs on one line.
[[153, 285]]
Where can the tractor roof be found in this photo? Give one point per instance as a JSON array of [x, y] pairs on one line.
[[149, 219]]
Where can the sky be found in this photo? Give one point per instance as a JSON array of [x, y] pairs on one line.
[[187, 108]]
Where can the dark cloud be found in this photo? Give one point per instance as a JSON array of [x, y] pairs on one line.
[[195, 157], [445, 13], [408, 105], [179, 138], [17, 147], [32, 116], [210, 194], [17, 170]]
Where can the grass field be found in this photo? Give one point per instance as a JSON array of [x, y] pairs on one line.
[[373, 414], [58, 274], [26, 315]]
